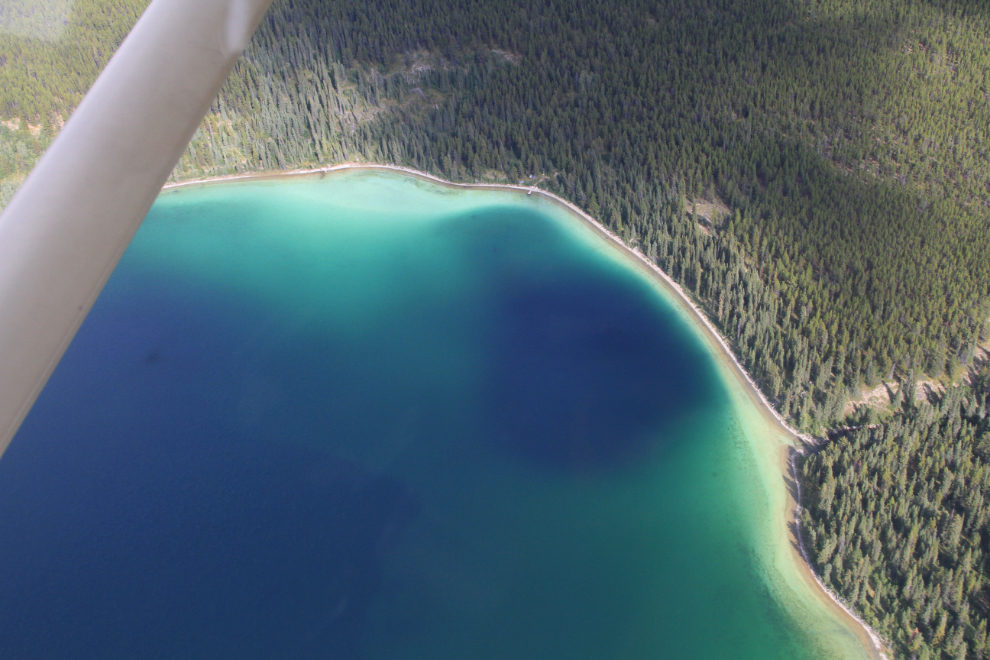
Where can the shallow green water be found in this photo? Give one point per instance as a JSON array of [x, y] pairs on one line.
[[365, 416]]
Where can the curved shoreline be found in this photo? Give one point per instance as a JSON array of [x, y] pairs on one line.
[[870, 638], [878, 644]]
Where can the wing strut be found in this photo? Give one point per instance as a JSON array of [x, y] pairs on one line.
[[66, 228]]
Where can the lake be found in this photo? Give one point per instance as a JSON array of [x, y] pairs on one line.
[[363, 415]]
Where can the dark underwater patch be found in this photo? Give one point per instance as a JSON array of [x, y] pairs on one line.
[[188, 545], [584, 368], [583, 373]]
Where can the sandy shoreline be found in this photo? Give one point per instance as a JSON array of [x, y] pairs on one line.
[[869, 637], [879, 647]]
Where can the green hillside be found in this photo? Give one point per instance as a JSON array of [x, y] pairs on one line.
[[897, 523], [50, 53]]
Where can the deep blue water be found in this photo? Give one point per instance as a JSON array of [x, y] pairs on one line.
[[294, 427]]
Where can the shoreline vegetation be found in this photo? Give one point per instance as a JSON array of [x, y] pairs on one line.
[[801, 441]]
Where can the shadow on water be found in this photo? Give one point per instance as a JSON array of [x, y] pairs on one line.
[[189, 547]]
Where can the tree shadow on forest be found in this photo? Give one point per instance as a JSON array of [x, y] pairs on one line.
[[794, 490], [806, 186]]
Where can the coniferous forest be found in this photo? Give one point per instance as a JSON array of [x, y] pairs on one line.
[[815, 173], [897, 523]]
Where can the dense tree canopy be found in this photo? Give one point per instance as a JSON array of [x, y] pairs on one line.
[[899, 523]]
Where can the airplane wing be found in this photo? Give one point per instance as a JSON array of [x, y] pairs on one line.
[[67, 227]]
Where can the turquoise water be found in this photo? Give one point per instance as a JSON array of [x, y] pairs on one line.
[[364, 416]]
